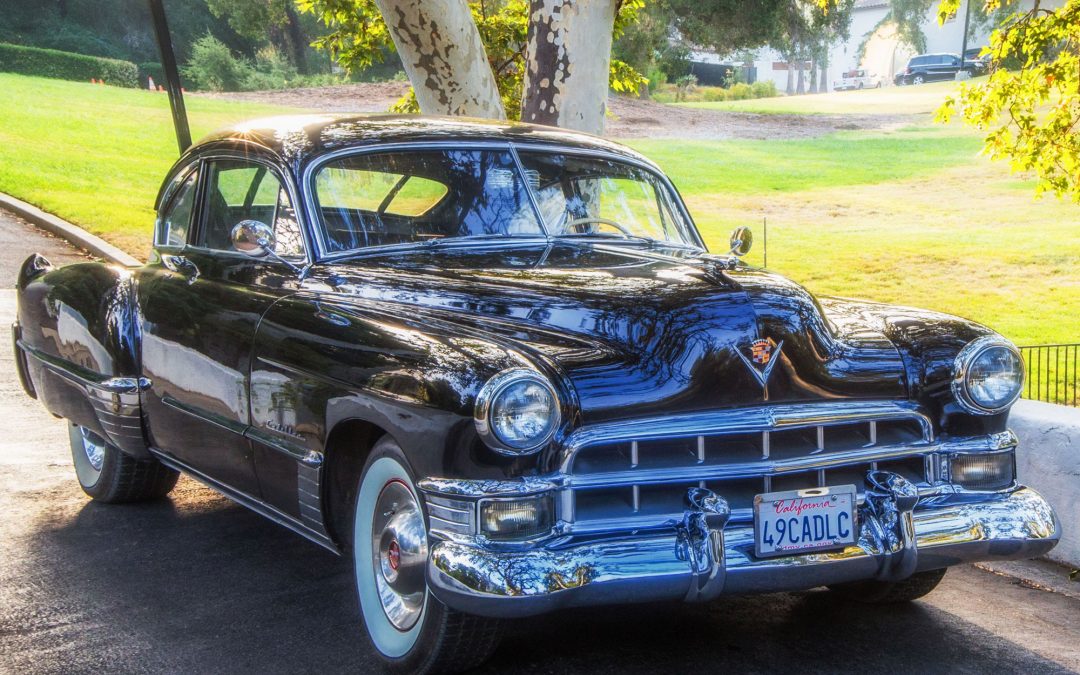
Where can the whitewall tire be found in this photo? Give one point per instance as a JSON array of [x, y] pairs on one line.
[[408, 627]]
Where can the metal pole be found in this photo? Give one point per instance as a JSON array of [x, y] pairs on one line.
[[172, 75], [967, 22]]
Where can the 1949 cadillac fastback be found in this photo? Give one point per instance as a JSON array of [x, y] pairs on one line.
[[495, 365]]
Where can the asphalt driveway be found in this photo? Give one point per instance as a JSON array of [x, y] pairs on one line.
[[197, 584]]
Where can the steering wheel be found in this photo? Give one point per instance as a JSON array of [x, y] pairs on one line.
[[602, 221]]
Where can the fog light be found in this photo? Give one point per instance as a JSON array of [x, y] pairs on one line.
[[983, 470], [516, 518]]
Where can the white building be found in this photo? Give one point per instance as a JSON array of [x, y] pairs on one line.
[[884, 54]]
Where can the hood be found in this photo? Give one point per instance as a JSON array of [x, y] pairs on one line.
[[636, 332]]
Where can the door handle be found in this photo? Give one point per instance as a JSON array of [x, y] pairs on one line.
[[182, 266]]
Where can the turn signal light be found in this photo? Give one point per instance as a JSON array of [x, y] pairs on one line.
[[983, 470]]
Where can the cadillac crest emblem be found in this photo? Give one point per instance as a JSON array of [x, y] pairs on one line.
[[762, 359], [761, 351]]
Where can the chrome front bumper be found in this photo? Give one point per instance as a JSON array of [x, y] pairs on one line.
[[701, 557]]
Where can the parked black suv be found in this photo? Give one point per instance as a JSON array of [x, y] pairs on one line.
[[930, 67]]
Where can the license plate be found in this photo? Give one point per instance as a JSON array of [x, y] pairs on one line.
[[800, 521]]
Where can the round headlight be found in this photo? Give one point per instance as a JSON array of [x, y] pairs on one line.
[[988, 376], [517, 411]]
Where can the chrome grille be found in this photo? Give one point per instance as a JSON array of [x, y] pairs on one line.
[[637, 483]]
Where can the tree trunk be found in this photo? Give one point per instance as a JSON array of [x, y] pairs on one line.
[[790, 75], [813, 78], [823, 77], [442, 54], [801, 87], [297, 40], [568, 61]]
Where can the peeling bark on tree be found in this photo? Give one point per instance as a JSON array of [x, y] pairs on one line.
[[568, 63], [443, 56]]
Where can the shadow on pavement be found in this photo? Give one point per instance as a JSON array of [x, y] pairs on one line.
[[197, 584]]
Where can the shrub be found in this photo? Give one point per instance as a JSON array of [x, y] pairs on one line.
[[66, 65], [741, 91], [213, 67], [657, 78], [763, 89]]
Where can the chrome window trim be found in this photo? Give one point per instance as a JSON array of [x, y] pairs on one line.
[[284, 178], [307, 176], [175, 181]]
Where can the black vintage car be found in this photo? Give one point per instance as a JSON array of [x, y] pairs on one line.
[[495, 365]]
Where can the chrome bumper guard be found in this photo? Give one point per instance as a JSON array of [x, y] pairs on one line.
[[701, 557]]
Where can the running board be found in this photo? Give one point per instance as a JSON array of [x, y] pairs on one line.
[[257, 505]]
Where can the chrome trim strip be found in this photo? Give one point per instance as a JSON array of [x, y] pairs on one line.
[[309, 498], [476, 489], [235, 427], [84, 376]]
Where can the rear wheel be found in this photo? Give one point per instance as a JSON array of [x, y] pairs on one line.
[[410, 629], [109, 475], [887, 592]]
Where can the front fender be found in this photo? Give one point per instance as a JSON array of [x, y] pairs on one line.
[[318, 362], [928, 342]]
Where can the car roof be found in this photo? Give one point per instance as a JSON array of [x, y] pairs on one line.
[[298, 138]]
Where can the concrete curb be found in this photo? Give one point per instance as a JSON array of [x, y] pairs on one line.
[[73, 234], [1048, 459]]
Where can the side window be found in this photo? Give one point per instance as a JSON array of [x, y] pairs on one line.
[[237, 190], [175, 220], [378, 191]]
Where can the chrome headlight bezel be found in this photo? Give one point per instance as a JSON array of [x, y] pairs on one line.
[[962, 369], [487, 399]]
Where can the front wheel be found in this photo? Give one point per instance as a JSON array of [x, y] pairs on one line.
[[918, 79], [111, 476], [410, 629], [888, 592]]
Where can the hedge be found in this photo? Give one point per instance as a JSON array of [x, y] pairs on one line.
[[66, 65]]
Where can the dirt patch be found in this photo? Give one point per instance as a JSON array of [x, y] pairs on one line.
[[629, 117]]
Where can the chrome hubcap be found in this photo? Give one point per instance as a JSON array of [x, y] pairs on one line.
[[399, 548], [94, 447]]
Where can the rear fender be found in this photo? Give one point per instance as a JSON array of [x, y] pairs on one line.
[[77, 338]]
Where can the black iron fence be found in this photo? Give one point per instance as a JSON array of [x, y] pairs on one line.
[[1051, 373]]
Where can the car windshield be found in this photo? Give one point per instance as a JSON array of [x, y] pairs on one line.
[[407, 197], [590, 196], [378, 199]]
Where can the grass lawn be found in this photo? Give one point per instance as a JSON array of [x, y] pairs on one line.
[[912, 215], [96, 155]]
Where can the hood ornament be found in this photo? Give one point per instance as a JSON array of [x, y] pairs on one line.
[[764, 354]]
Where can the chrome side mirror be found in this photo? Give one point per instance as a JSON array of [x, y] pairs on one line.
[[253, 238], [741, 241]]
